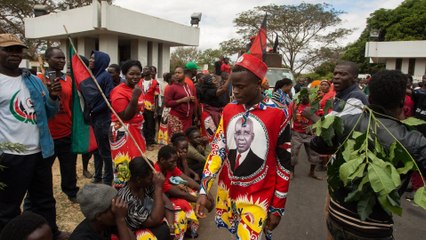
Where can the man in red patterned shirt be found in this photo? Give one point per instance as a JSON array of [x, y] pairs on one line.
[[251, 193]]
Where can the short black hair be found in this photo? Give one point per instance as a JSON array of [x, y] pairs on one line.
[[352, 65], [153, 67], [167, 77], [49, 52], [115, 66], [283, 82], [387, 89], [178, 137], [21, 226], [190, 130], [251, 75], [166, 152], [128, 64], [139, 167]]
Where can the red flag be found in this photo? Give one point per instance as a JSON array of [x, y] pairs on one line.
[[82, 136], [258, 47]]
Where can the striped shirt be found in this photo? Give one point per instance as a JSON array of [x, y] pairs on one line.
[[138, 209]]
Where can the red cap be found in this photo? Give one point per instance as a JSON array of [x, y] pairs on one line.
[[253, 64]]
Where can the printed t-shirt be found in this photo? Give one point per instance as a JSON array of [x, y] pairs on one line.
[[18, 119], [300, 123], [151, 89]]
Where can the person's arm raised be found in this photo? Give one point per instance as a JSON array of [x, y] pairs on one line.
[[119, 209], [157, 213]]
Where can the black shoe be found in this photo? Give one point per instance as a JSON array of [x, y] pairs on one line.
[[72, 199], [87, 174], [96, 180], [61, 235]]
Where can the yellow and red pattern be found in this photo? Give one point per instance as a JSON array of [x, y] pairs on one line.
[[243, 203]]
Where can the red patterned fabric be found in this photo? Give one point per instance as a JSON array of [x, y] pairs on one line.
[[259, 184]]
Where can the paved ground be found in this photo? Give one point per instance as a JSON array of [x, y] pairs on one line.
[[304, 218]]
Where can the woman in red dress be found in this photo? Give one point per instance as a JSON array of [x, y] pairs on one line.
[[127, 101], [180, 98]]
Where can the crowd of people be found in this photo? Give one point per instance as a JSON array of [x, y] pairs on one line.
[[221, 125]]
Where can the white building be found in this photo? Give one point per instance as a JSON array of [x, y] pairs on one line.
[[122, 33], [406, 56]]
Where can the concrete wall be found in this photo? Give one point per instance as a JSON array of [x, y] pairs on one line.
[[396, 49], [118, 19], [77, 21], [419, 67]]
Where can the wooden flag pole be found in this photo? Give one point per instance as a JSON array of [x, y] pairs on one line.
[[107, 102]]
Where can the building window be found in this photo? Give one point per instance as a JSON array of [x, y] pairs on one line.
[[411, 66], [398, 64]]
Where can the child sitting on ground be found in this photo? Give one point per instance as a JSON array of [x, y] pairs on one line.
[[181, 190], [180, 143]]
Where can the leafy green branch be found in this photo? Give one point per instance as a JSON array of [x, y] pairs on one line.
[[370, 172]]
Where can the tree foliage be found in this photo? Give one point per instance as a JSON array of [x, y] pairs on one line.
[[406, 22], [182, 55], [13, 13], [306, 31]]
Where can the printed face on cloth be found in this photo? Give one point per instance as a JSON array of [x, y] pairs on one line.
[[244, 134]]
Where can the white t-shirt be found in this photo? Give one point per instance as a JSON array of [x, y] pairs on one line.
[[146, 85], [18, 122]]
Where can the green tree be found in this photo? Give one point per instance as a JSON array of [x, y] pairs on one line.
[[181, 55], [209, 56], [406, 22], [305, 31]]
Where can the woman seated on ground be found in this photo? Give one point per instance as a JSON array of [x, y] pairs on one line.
[[198, 150], [147, 205], [181, 190], [181, 144]]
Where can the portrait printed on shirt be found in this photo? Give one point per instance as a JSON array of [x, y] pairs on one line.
[[247, 144]]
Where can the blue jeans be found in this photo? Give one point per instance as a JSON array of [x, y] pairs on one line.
[[102, 157]]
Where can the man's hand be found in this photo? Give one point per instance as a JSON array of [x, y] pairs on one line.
[[54, 89], [119, 208], [272, 221], [200, 206], [307, 113], [158, 180]]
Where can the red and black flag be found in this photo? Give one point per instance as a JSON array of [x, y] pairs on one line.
[[275, 48], [258, 47], [82, 136]]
